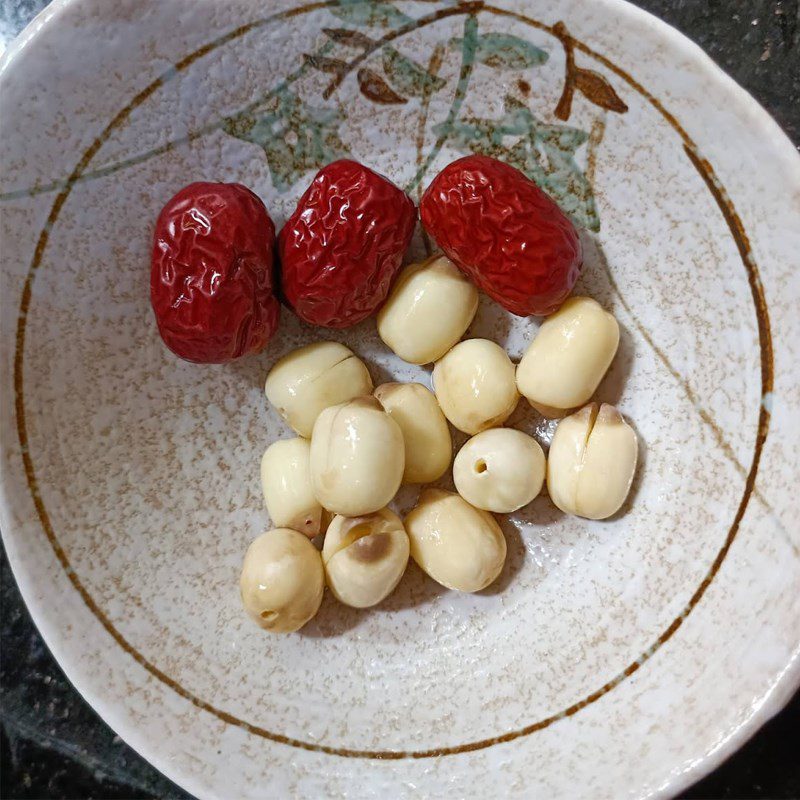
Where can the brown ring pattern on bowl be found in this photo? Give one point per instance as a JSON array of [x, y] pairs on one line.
[[705, 171]]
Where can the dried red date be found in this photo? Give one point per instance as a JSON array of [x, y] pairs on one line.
[[343, 245], [504, 232], [211, 280]]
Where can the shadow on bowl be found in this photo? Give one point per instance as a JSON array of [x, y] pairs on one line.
[[334, 618]]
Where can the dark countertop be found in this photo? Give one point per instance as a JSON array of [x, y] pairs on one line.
[[55, 746]]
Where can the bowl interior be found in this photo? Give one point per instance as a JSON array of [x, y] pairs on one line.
[[147, 467]]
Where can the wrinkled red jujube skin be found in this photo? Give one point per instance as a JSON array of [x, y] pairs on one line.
[[505, 233], [343, 245], [212, 273]]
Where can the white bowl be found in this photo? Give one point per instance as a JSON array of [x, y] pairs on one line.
[[616, 659]]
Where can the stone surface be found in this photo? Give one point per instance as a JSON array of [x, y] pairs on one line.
[[54, 745]]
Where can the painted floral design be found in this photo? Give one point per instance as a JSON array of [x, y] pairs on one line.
[[299, 136], [356, 12], [504, 51], [296, 137]]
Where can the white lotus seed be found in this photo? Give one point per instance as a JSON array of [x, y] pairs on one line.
[[286, 482], [458, 545], [428, 310], [428, 444], [357, 457], [567, 359], [365, 557], [591, 462], [282, 580], [499, 470], [474, 384], [312, 378]]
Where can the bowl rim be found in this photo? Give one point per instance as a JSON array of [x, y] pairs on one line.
[[771, 702]]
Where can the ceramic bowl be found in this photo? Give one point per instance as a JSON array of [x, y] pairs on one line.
[[622, 658]]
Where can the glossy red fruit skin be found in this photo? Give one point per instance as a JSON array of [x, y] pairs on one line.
[[212, 273], [344, 244], [505, 233]]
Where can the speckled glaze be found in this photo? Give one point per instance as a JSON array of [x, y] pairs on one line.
[[130, 486]]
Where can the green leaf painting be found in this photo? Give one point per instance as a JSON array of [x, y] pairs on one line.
[[408, 77], [545, 153], [358, 12], [296, 137], [504, 51]]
